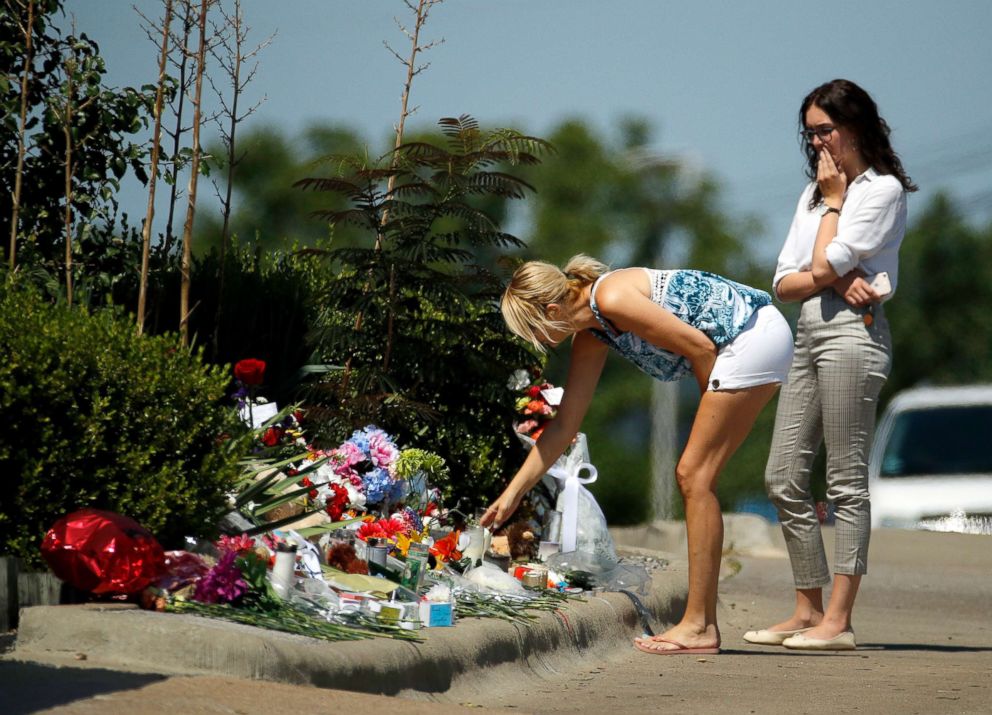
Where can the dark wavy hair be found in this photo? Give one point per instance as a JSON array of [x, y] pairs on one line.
[[852, 107]]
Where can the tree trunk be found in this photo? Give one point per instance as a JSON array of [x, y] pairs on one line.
[[225, 229], [146, 232], [184, 308], [177, 136], [22, 130], [68, 183]]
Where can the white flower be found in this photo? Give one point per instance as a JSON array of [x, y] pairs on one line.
[[519, 380], [431, 522], [355, 497]]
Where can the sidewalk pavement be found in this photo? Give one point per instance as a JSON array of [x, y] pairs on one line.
[[453, 664]]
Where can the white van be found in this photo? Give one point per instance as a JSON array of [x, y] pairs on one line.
[[932, 457]]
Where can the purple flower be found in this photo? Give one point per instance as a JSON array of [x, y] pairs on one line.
[[415, 521], [223, 583]]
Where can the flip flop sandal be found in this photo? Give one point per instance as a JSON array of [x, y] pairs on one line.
[[678, 650]]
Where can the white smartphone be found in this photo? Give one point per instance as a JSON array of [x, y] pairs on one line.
[[880, 284]]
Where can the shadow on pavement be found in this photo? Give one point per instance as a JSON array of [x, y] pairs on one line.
[[863, 649], [931, 647], [30, 687]]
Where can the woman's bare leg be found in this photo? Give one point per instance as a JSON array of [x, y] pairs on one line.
[[808, 613], [722, 422], [837, 618]]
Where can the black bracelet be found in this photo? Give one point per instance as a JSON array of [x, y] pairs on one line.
[[831, 210]]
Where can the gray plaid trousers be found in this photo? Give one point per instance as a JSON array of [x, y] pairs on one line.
[[839, 367]]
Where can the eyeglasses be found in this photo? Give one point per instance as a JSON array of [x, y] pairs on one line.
[[823, 132]]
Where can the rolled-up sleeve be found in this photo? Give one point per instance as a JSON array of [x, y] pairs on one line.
[[879, 218], [794, 252]]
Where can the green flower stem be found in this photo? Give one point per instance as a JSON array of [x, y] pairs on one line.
[[291, 620]]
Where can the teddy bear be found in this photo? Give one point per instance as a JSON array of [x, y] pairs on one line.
[[516, 540]]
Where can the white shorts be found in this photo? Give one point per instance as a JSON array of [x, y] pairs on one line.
[[760, 355]]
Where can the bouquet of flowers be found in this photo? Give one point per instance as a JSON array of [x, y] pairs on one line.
[[536, 404], [359, 474]]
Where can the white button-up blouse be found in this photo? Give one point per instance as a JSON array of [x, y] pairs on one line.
[[871, 228]]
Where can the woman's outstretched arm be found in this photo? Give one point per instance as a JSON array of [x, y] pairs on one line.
[[587, 359]]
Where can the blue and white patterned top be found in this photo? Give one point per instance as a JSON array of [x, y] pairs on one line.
[[713, 304]]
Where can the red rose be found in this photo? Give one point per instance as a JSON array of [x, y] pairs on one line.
[[533, 391], [250, 371], [272, 436]]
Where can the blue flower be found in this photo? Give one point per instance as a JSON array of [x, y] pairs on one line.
[[397, 490], [361, 440], [377, 485]]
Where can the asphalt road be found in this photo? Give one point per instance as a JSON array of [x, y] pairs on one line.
[[923, 622]]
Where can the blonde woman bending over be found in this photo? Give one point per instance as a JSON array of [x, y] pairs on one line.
[[670, 324]]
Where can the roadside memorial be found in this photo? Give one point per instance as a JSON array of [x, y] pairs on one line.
[[354, 541]]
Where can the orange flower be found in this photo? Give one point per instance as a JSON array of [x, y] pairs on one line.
[[446, 548], [534, 407]]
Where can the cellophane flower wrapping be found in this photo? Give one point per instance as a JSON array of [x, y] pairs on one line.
[[592, 533], [102, 552]]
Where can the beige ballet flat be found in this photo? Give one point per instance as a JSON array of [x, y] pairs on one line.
[[766, 637], [844, 641]]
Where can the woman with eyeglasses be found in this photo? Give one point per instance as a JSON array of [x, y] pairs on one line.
[[840, 259], [670, 324]]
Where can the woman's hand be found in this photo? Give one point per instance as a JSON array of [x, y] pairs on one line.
[[855, 290], [831, 180], [501, 509], [587, 360]]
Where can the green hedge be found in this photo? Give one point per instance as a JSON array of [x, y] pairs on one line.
[[93, 415]]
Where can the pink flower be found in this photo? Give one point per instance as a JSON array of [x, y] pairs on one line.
[[237, 544], [347, 455], [223, 583], [405, 519], [526, 426], [382, 451]]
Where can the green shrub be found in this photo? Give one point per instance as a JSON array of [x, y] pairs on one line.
[[93, 415]]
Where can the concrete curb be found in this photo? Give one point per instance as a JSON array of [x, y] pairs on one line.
[[453, 661]]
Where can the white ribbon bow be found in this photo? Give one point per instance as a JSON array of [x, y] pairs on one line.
[[570, 480]]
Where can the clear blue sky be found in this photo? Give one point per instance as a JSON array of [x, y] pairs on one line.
[[720, 81]]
